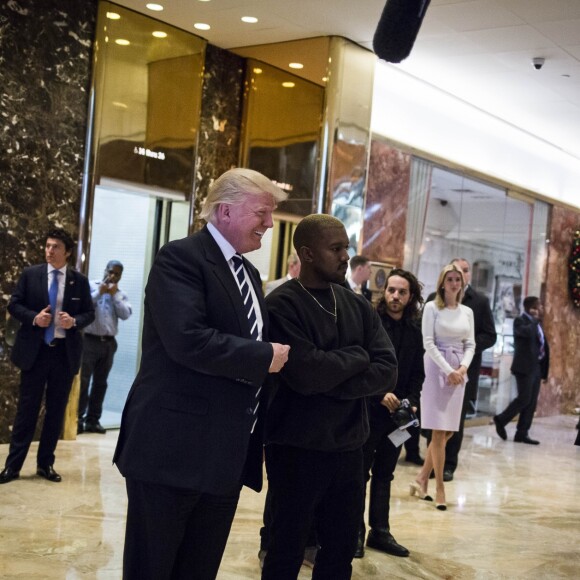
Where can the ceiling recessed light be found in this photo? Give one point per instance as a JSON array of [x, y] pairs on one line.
[[159, 34], [201, 26], [324, 79], [249, 19], [122, 42], [155, 7], [204, 0], [113, 16], [258, 71], [119, 105], [288, 85], [296, 65]]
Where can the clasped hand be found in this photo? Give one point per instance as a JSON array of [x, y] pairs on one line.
[[44, 318], [279, 358], [457, 377]]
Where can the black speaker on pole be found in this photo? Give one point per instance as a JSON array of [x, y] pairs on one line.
[[398, 28]]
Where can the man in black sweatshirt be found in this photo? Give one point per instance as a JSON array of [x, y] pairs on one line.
[[317, 421]]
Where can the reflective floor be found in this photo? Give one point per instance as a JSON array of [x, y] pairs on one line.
[[514, 512]]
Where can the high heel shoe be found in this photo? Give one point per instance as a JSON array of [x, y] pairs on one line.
[[415, 489], [441, 506]]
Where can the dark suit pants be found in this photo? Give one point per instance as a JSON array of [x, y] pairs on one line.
[[49, 374], [525, 403], [307, 486], [175, 534], [380, 456], [97, 362]]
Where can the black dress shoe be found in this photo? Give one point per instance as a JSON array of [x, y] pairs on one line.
[[414, 458], [500, 429], [447, 475], [526, 439], [48, 473], [94, 427], [8, 474], [385, 542]]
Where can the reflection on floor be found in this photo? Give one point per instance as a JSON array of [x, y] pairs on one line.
[[514, 512]]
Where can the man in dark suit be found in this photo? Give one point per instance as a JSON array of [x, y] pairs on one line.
[[189, 438], [485, 337], [530, 367], [293, 271], [360, 273], [52, 302]]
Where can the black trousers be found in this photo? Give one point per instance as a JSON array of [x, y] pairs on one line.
[[380, 456], [98, 358], [175, 534], [50, 376], [307, 486], [525, 403], [311, 542]]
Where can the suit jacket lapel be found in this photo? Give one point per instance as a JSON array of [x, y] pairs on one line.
[[224, 274]]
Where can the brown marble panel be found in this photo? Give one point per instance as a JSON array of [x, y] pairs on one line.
[[44, 79], [387, 198], [561, 320], [221, 118]]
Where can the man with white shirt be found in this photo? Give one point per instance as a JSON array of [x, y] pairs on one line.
[[53, 303], [190, 435], [111, 305], [293, 272]]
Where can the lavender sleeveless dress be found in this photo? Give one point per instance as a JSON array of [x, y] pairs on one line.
[[448, 338]]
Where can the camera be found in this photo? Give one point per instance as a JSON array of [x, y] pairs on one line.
[[404, 417], [538, 62]]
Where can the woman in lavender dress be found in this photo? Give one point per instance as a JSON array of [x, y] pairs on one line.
[[449, 342]]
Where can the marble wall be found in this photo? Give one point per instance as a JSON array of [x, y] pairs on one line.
[[561, 320], [387, 199], [221, 119], [45, 62]]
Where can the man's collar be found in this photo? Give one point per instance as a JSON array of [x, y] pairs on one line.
[[51, 268], [227, 249]]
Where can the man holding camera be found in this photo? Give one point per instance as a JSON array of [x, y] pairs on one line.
[[100, 345], [399, 310]]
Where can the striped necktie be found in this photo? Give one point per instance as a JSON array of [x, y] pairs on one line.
[[246, 293], [52, 295]]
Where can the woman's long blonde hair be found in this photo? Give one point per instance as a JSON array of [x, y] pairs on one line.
[[440, 293]]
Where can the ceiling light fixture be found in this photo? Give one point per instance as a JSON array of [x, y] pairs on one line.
[[258, 71], [159, 34], [288, 85], [249, 19], [122, 42], [201, 26], [154, 7], [296, 65], [113, 16]]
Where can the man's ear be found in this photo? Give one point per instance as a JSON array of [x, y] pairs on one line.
[[223, 212], [305, 254]]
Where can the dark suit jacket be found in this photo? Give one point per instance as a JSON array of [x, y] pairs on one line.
[[31, 296], [485, 334], [188, 415], [527, 348]]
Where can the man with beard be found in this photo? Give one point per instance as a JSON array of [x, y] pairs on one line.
[[399, 310]]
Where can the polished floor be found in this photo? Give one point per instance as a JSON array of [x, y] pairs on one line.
[[514, 512]]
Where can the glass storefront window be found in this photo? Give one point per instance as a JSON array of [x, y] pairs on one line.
[[502, 236]]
